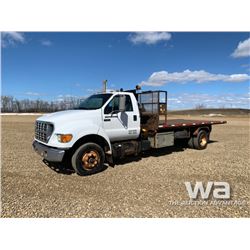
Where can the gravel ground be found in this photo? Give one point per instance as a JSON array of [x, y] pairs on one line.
[[148, 187]]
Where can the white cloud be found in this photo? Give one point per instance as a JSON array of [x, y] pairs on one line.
[[149, 37], [191, 100], [237, 78], [47, 43], [242, 50], [199, 76], [32, 93], [66, 97], [11, 38]]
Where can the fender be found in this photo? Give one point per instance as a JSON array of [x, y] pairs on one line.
[[77, 131], [208, 129], [102, 133], [89, 128]]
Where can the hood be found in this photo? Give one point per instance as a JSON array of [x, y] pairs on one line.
[[71, 116]]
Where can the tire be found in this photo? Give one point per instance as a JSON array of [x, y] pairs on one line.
[[88, 159], [201, 140]]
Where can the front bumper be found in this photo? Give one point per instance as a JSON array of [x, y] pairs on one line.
[[48, 153]]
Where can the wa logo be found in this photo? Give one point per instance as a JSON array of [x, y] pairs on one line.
[[219, 190]]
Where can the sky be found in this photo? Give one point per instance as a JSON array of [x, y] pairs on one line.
[[208, 68]]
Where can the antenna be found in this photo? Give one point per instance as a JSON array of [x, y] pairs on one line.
[[104, 86]]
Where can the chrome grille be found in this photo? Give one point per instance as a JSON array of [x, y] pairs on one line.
[[43, 131]]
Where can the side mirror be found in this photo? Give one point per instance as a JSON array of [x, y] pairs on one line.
[[122, 103]]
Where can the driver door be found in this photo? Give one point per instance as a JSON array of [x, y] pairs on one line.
[[120, 125]]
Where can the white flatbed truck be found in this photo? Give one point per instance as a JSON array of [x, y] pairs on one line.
[[114, 125]]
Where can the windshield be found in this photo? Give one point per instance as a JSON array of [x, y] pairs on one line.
[[94, 101]]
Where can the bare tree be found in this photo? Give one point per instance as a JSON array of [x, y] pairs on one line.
[[200, 106], [9, 104]]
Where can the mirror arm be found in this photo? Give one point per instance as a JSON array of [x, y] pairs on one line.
[[116, 112]]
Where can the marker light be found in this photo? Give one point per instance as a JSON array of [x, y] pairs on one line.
[[64, 138]]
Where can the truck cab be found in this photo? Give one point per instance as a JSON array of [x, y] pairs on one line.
[[101, 118]]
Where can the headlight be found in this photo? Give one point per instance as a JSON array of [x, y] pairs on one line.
[[64, 138]]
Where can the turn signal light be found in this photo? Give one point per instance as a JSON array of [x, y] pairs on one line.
[[64, 138]]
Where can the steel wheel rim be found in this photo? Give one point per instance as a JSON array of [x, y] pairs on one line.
[[90, 159], [203, 140]]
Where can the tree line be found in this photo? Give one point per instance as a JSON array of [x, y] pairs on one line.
[[9, 104]]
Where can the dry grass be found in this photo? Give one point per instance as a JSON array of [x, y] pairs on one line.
[[141, 188]]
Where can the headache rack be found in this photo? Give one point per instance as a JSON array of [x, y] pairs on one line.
[[153, 108]]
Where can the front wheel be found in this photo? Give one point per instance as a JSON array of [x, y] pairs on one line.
[[88, 159]]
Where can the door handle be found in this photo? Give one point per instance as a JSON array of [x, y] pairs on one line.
[[135, 118]]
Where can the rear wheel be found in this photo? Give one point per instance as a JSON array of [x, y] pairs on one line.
[[88, 159], [201, 140]]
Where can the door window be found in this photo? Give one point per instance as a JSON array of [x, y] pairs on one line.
[[113, 105]]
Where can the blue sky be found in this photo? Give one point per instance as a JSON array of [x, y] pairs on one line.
[[195, 68]]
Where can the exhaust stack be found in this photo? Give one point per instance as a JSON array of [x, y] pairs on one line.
[[104, 86]]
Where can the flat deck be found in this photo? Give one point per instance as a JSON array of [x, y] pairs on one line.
[[177, 123]]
